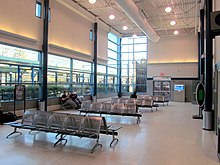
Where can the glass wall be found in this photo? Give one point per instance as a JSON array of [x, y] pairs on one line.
[[22, 66], [134, 64], [81, 77], [113, 63], [68, 74], [58, 75], [101, 79]]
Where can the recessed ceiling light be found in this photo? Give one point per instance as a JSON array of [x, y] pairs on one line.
[[176, 32], [168, 9], [92, 1], [125, 28], [172, 23], [111, 17]]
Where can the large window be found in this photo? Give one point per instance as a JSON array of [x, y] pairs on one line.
[[22, 66], [134, 64], [82, 77], [101, 79], [58, 75], [112, 66], [61, 76]]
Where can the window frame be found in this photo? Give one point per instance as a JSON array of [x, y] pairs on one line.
[[37, 5]]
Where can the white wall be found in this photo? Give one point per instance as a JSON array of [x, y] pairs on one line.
[[102, 46], [175, 70], [175, 56], [18, 18], [174, 49], [69, 30], [216, 5]]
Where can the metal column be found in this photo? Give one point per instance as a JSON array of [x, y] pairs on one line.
[[199, 56], [71, 76], [202, 65], [208, 114], [119, 69], [95, 62], [45, 51]]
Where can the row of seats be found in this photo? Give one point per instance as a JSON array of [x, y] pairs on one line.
[[129, 109], [139, 97], [156, 99], [65, 124], [141, 101]]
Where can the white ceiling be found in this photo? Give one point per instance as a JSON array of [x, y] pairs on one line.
[[185, 13]]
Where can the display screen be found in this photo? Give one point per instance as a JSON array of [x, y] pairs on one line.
[[178, 87], [201, 95]]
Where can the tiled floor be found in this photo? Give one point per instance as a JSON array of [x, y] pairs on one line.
[[168, 136]]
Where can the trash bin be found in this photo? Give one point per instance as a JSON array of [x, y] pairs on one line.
[[207, 120], [41, 105]]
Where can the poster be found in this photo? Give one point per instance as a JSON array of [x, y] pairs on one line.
[[19, 92]]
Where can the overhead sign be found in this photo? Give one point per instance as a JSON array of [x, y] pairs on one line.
[[200, 94]]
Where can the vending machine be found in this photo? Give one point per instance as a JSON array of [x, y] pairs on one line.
[[162, 86]]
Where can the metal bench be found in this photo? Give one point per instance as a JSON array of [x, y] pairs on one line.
[[64, 124], [112, 109]]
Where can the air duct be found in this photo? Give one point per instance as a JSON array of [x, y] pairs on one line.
[[132, 11]]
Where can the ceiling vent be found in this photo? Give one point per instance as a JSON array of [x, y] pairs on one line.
[[132, 11]]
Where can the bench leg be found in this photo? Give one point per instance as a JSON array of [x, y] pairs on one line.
[[96, 145], [15, 131], [60, 140], [113, 139], [138, 119], [57, 135]]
